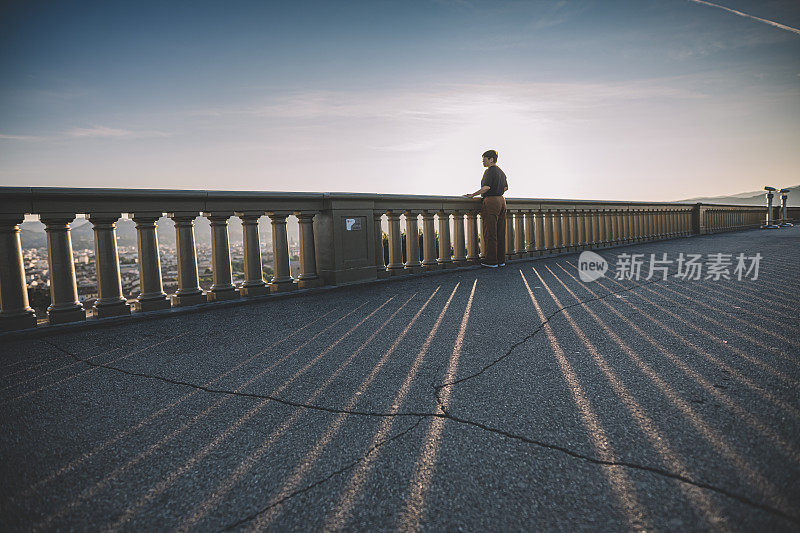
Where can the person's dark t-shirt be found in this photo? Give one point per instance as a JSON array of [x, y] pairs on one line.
[[496, 180]]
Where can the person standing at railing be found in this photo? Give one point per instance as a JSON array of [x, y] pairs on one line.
[[493, 211]]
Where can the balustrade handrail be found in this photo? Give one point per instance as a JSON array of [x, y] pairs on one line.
[[37, 200], [341, 239]]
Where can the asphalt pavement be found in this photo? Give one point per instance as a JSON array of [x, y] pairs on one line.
[[517, 398]]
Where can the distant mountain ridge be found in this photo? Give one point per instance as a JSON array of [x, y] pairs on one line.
[[750, 198]]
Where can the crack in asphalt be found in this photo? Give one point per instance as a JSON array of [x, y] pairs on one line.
[[324, 479], [539, 328], [447, 416]]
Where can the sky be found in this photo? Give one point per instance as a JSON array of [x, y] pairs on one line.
[[649, 100]]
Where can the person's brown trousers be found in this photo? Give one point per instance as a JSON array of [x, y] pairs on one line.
[[493, 235]]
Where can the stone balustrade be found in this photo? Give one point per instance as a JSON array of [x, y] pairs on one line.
[[341, 240]]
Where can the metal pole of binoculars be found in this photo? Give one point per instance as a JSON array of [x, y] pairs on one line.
[[769, 223], [785, 200]]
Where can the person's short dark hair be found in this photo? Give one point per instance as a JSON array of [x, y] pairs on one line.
[[491, 154]]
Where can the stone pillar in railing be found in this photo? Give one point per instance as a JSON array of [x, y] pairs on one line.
[[641, 224], [282, 280], [459, 242], [595, 228], [547, 230], [309, 277], [586, 229], [566, 215], [562, 217], [662, 223], [380, 261], [189, 292], [222, 287], [254, 284], [604, 227], [15, 311], [445, 259], [473, 250], [509, 236], [110, 301], [557, 225], [636, 225], [519, 234], [656, 224], [644, 224], [151, 287], [429, 242], [674, 226], [412, 263], [619, 226], [395, 265], [64, 306], [530, 234], [576, 228]]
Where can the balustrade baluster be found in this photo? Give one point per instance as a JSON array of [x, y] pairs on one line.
[[429, 242], [282, 280], [64, 306], [380, 261], [151, 287], [15, 311], [530, 234], [509, 236], [459, 243], [412, 264], [222, 287], [594, 223], [395, 265], [309, 277], [445, 259], [110, 301], [580, 227], [558, 227], [254, 284], [189, 292], [519, 234], [568, 229], [473, 250], [604, 227], [539, 232], [576, 228], [566, 236], [616, 219]]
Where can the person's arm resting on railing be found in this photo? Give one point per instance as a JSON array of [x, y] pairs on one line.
[[479, 191]]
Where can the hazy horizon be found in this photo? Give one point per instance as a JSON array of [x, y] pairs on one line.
[[641, 100]]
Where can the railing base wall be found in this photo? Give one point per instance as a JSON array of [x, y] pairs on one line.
[[12, 323], [142, 306]]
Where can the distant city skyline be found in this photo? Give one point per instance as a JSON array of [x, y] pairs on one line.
[[652, 100]]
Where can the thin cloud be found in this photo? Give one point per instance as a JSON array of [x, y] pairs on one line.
[[106, 132], [745, 15], [98, 131], [20, 137]]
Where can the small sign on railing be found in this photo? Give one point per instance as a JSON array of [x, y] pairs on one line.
[[353, 224]]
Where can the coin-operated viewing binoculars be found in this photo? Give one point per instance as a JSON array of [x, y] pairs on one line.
[[784, 200], [770, 224]]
